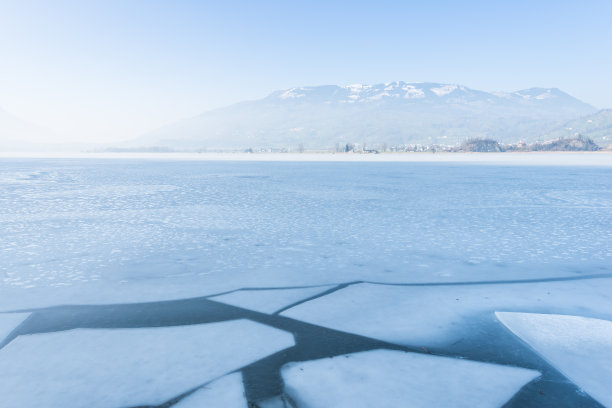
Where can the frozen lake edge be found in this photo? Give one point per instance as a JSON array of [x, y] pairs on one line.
[[602, 158]]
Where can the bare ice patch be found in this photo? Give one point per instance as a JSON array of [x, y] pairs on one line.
[[398, 379], [580, 347], [128, 367]]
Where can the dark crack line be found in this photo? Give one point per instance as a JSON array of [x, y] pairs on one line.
[[264, 288], [497, 282], [318, 295]]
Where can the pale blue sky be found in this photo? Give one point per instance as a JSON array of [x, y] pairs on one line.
[[112, 69]]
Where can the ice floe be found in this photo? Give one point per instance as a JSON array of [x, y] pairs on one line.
[[440, 315], [9, 321], [385, 378], [580, 347], [268, 301], [226, 392], [128, 367]]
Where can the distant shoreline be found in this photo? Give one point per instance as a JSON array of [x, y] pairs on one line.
[[599, 158]]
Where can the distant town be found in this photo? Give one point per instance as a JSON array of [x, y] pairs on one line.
[[480, 145], [579, 143]]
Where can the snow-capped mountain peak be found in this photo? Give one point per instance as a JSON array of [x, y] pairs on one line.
[[394, 112], [405, 91], [353, 93]]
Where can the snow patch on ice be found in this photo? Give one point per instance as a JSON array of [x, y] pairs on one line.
[[580, 347], [268, 301], [127, 367], [226, 392], [398, 379]]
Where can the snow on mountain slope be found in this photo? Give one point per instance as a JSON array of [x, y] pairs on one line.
[[432, 92]]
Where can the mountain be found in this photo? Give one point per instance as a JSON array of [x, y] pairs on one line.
[[597, 127], [392, 113]]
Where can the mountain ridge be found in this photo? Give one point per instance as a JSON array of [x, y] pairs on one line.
[[410, 91], [393, 112]]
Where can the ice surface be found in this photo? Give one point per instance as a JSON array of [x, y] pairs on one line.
[[268, 301], [9, 321], [226, 392], [127, 367], [106, 231], [441, 315], [580, 347], [113, 231], [384, 378]]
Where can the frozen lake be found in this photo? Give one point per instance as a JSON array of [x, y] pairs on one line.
[[450, 265]]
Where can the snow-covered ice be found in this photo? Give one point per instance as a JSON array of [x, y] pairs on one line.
[[9, 321], [127, 367], [441, 315], [580, 347], [268, 301], [384, 378], [226, 392], [114, 231]]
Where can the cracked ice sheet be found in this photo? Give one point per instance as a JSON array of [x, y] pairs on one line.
[[127, 367], [268, 301], [580, 347], [436, 316], [396, 379], [9, 321], [226, 392]]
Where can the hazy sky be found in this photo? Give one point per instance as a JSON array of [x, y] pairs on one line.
[[110, 70]]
